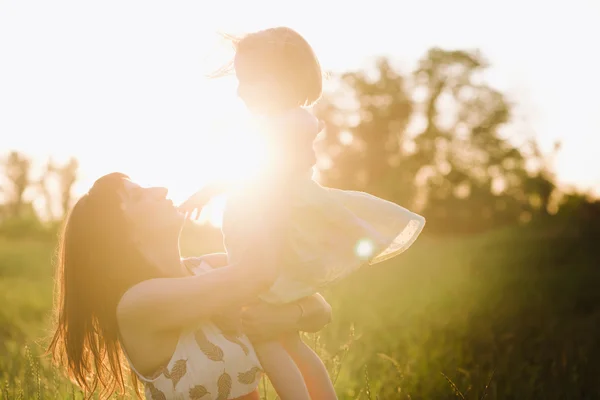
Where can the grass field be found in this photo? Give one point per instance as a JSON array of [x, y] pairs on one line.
[[513, 314]]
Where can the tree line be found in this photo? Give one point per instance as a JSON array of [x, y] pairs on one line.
[[18, 186], [436, 139]]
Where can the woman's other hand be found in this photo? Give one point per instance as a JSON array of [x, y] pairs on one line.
[[229, 321], [263, 321]]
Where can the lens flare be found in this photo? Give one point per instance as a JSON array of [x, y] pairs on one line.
[[364, 248]]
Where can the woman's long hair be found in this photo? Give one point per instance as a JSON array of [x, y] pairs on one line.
[[97, 263]]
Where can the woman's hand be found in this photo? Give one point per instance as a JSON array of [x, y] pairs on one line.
[[199, 199], [263, 321], [229, 321]]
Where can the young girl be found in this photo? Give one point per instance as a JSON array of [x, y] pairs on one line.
[[330, 232]]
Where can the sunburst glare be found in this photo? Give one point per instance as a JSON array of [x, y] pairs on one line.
[[235, 156]]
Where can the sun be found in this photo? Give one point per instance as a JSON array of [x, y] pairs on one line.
[[199, 132], [215, 142], [236, 158], [206, 136], [228, 150]]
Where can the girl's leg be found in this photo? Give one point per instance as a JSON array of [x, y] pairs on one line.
[[283, 373], [313, 370]]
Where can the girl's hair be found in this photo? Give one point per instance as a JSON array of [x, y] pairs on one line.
[[97, 263], [280, 57]]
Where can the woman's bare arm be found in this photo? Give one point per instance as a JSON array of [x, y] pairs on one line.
[[168, 303], [172, 303], [184, 301]]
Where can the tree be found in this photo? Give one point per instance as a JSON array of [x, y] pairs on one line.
[[67, 176], [64, 176], [432, 140], [363, 143], [43, 185], [473, 175], [17, 170]]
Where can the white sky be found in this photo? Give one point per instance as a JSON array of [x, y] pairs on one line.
[[120, 85]]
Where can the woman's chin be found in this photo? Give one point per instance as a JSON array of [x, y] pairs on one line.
[[179, 219], [172, 220]]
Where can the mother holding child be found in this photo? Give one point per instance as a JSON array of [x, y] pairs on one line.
[[126, 300]]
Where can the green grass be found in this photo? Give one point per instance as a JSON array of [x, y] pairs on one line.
[[26, 291], [509, 314]]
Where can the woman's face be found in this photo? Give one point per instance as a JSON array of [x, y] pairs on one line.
[[149, 211]]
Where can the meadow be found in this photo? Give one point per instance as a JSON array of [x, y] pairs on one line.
[[510, 314]]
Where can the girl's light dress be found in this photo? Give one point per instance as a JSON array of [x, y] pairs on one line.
[[331, 233]]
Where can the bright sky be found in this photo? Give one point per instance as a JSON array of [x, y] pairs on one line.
[[120, 84]]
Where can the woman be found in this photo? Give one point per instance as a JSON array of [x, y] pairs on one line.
[[124, 296]]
